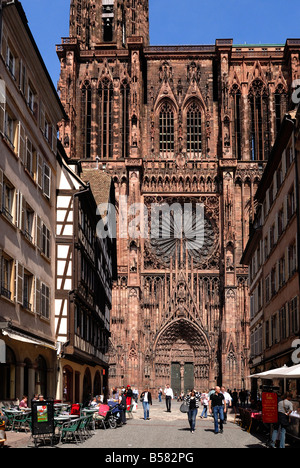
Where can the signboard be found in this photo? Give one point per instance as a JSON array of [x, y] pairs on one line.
[[42, 417], [270, 408]]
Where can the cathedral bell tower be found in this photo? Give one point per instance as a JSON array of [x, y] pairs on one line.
[[108, 23]]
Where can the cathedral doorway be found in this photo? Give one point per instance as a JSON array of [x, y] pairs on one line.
[[182, 357]]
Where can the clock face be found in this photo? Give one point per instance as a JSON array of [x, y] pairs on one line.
[[181, 231]]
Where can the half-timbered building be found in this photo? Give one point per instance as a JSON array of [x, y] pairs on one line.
[[85, 269]]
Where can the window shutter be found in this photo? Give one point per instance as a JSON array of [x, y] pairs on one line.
[[22, 143], [54, 139], [19, 283], [4, 43], [2, 106], [39, 178], [37, 296], [47, 181], [1, 190], [42, 118], [22, 204], [38, 232]]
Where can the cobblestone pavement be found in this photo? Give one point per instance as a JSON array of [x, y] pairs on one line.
[[163, 431]]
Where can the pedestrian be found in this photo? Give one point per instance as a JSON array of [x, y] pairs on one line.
[[217, 407], [160, 392], [205, 404], [285, 408], [122, 403], [228, 401], [235, 400], [169, 397], [146, 399], [23, 403], [129, 396], [193, 402]]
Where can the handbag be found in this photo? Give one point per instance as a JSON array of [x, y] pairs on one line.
[[184, 408]]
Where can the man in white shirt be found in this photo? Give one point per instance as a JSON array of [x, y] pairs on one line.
[[169, 397], [228, 401]]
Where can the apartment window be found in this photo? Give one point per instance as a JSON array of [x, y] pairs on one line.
[[279, 176], [27, 221], [46, 250], [289, 155], [292, 253], [10, 130], [45, 301], [294, 316], [22, 78], [6, 286], [273, 282], [272, 236], [267, 333], [282, 321], [291, 205], [8, 199], [274, 322], [11, 61], [47, 181], [28, 291], [267, 287], [266, 248], [281, 272], [280, 222]]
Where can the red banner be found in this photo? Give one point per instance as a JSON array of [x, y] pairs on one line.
[[270, 408]]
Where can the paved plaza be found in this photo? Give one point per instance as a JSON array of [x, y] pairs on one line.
[[163, 431]]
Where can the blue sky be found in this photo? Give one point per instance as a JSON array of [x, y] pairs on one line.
[[179, 22]]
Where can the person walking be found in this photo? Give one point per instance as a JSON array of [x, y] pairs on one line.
[[228, 401], [217, 407], [160, 392], [146, 399], [285, 408], [193, 402], [205, 404], [169, 397]]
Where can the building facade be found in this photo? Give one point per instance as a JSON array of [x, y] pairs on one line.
[[85, 270], [29, 112], [272, 254], [183, 125]]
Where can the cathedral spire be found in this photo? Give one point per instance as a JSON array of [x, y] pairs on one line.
[[99, 22]]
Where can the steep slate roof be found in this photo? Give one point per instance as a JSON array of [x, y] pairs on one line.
[[100, 184]]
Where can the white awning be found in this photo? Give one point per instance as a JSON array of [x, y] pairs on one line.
[[14, 335]]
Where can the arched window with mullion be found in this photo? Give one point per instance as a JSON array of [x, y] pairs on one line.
[[259, 108], [237, 98], [166, 130], [194, 130], [105, 110], [125, 130], [86, 108]]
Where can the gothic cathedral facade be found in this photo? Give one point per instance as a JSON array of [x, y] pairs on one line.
[[183, 125]]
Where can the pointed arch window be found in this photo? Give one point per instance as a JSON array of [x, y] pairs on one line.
[[86, 108], [194, 130], [237, 98], [259, 103], [105, 93], [166, 130], [280, 105], [125, 130]]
